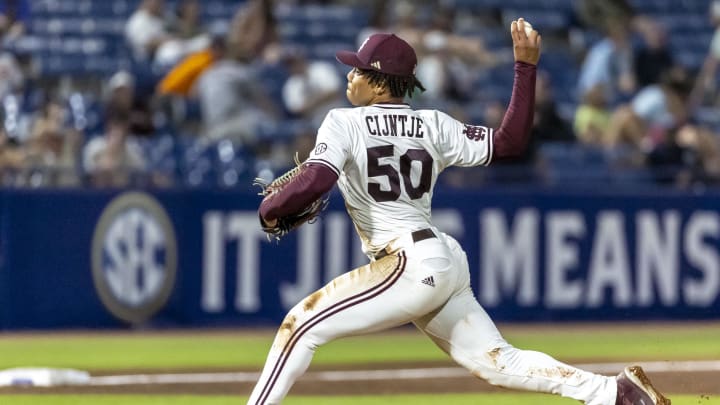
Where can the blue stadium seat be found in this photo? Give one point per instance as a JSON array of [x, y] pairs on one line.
[[234, 165], [671, 6], [216, 9], [159, 152], [569, 163], [282, 130], [683, 22], [540, 19], [197, 166], [326, 50], [214, 164]]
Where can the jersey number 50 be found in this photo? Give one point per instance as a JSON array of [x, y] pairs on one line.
[[406, 160]]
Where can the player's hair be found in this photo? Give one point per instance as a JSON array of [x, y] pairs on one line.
[[399, 86]]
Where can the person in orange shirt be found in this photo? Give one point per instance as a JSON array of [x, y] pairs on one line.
[[180, 79]]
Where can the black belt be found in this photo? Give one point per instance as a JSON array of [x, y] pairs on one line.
[[417, 236]]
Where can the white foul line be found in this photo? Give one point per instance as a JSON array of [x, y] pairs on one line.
[[367, 375]]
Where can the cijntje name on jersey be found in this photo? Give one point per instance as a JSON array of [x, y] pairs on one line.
[[394, 125]]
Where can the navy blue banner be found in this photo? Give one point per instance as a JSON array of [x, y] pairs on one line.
[[190, 258]]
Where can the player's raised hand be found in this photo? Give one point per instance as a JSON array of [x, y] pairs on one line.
[[526, 42]]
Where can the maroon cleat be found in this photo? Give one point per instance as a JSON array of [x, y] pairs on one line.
[[634, 388]]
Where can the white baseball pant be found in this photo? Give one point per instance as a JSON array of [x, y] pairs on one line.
[[390, 292]]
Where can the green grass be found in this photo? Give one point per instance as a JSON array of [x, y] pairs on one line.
[[454, 399], [164, 351], [147, 350], [641, 342], [133, 351]]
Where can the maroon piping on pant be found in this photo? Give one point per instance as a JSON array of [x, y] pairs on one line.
[[324, 314]]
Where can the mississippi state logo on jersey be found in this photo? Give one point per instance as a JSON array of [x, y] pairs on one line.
[[475, 132]]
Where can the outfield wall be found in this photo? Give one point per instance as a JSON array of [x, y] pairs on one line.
[[198, 258]]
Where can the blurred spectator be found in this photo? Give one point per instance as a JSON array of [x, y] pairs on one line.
[[600, 14], [592, 117], [233, 102], [14, 19], [705, 90], [313, 87], [54, 146], [111, 160], [689, 156], [177, 90], [441, 33], [186, 21], [548, 125], [122, 100], [398, 17], [13, 83], [706, 146], [655, 111], [652, 57], [450, 62], [254, 30], [145, 29], [320, 2], [447, 62], [181, 79], [11, 75], [146, 32], [617, 21], [609, 63], [12, 158]]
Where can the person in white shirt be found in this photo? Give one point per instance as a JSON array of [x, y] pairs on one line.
[[146, 32], [145, 29], [312, 88], [111, 159]]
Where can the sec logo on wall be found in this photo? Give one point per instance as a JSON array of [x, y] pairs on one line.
[[134, 257]]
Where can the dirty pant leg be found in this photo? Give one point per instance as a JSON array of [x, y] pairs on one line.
[[463, 329], [381, 295]]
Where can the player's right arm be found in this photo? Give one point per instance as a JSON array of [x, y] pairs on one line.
[[469, 145], [512, 137]]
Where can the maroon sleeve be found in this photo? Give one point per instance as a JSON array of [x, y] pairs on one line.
[[513, 136], [314, 181]]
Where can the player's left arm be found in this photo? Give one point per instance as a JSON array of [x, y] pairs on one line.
[[312, 183], [511, 139], [318, 175]]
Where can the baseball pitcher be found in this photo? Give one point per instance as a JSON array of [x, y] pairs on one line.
[[385, 158]]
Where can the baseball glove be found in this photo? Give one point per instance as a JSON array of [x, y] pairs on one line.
[[286, 224]]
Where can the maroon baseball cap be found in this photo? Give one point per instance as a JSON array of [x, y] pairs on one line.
[[385, 53]]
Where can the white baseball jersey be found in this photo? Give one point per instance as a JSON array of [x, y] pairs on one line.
[[388, 157]]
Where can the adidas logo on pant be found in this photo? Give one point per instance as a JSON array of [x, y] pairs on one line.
[[429, 281]]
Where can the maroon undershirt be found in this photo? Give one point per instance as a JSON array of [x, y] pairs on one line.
[[510, 140]]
